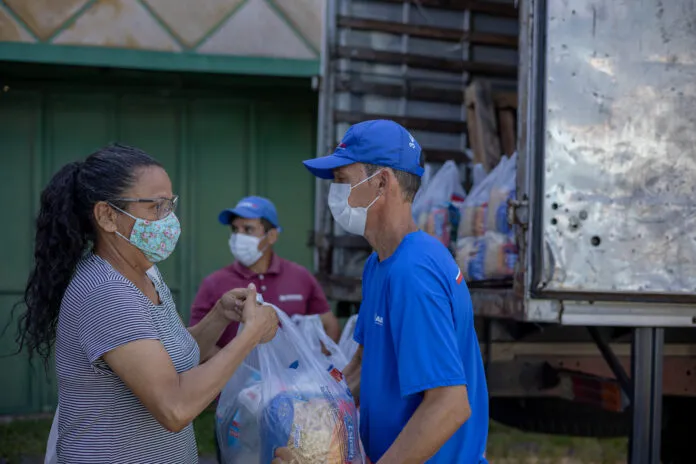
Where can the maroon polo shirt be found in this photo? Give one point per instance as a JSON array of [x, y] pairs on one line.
[[287, 285]]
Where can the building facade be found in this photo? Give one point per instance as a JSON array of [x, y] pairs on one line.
[[218, 90]]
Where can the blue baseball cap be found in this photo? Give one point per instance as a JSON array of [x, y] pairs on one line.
[[379, 142], [251, 208]]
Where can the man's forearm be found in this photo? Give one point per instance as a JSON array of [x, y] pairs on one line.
[[439, 416], [208, 331]]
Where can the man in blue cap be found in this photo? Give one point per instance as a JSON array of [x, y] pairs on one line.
[[290, 286], [418, 374]]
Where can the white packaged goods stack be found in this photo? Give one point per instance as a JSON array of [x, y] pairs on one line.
[[475, 226], [485, 248]]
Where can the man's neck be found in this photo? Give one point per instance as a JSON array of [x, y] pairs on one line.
[[261, 266], [396, 226]]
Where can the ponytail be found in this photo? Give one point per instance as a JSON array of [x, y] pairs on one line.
[[61, 238], [65, 229]]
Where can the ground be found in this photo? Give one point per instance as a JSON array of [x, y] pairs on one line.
[[24, 441]]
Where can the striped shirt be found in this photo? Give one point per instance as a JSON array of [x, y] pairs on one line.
[[101, 420]]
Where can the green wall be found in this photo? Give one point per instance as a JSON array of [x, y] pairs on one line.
[[219, 140]]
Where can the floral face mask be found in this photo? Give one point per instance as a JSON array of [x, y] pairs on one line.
[[156, 239]]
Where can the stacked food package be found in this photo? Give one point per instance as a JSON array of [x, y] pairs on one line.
[[436, 206], [485, 247]]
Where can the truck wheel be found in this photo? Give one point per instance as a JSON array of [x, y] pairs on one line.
[[556, 416]]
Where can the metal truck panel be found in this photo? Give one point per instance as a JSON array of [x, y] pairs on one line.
[[619, 108]]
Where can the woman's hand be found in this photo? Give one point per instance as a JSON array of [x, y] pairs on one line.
[[259, 318], [231, 304]]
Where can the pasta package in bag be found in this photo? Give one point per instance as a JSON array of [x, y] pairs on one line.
[[305, 406]]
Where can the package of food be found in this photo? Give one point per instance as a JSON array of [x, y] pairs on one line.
[[467, 251], [503, 190], [438, 224], [305, 406], [470, 257], [500, 256], [438, 191], [475, 207], [312, 330], [237, 428]]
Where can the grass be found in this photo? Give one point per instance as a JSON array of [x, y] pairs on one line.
[[505, 445]]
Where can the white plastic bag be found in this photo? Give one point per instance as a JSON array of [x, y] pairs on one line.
[[304, 406], [51, 452], [469, 256], [478, 173], [499, 256], [237, 409], [502, 190], [425, 181], [473, 210], [347, 345], [444, 184], [312, 330]]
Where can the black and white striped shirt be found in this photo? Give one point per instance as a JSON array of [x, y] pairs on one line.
[[101, 420]]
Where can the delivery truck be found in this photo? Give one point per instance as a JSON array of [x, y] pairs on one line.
[[591, 333]]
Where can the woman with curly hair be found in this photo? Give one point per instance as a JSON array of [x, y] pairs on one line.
[[129, 379]]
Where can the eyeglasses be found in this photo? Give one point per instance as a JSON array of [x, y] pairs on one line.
[[164, 206]]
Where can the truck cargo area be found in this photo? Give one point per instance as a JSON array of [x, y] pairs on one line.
[[592, 333]]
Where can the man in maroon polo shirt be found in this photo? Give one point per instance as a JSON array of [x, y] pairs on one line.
[[291, 287]]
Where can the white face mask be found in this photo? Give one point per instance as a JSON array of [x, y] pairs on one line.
[[245, 248], [352, 219]]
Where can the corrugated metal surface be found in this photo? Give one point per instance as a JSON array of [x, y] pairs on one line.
[[217, 145], [406, 60]]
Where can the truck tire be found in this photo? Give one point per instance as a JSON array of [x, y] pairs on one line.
[[556, 416]]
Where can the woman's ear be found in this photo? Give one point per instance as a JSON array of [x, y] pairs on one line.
[[105, 217]]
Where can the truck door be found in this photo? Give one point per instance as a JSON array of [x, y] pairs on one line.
[[610, 97]]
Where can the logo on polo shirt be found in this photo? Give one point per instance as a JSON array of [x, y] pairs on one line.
[[460, 276], [292, 297], [379, 320]]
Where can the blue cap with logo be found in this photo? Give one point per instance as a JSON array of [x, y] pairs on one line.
[[379, 142], [251, 208]]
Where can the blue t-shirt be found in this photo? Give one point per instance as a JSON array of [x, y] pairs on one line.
[[416, 325]]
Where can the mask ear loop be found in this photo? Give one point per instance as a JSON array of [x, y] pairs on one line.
[[366, 179], [373, 202], [265, 236], [362, 182], [127, 214]]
